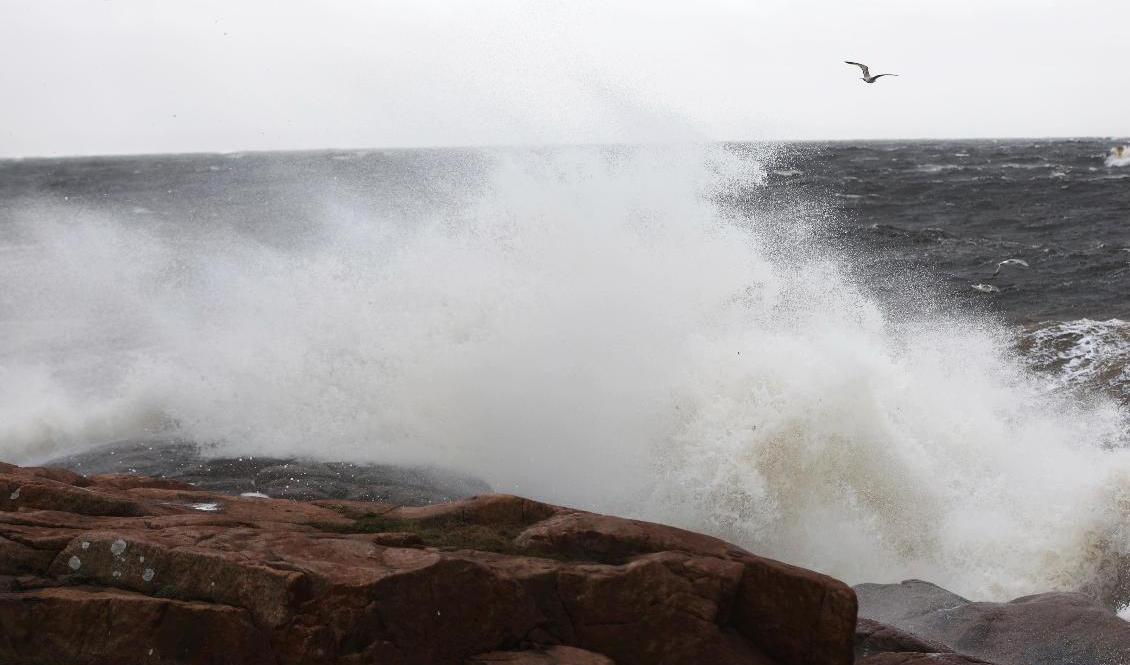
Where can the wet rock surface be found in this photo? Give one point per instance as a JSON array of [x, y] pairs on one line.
[[551, 656], [129, 569], [872, 638], [916, 658], [1043, 629], [284, 478]]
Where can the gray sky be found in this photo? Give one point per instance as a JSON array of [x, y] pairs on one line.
[[129, 76]]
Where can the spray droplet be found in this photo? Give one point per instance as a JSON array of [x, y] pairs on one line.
[[15, 495], [86, 544], [75, 563], [118, 547], [148, 575]]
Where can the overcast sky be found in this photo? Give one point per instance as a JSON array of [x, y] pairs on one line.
[[131, 76]]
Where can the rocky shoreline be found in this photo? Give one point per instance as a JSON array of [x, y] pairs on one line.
[[129, 568], [277, 477], [132, 569]]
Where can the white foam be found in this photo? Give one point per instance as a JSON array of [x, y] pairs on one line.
[[938, 168], [1084, 354], [1113, 159], [592, 330]]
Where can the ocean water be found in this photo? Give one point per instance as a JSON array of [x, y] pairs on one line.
[[801, 348]]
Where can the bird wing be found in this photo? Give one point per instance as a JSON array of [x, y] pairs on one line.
[[866, 72], [881, 76]]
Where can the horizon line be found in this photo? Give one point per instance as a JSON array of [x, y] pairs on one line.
[[539, 146]]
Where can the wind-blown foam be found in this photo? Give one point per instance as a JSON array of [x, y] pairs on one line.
[[1118, 157], [590, 327], [1083, 355]]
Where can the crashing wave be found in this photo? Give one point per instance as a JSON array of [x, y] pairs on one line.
[[1118, 156], [589, 328], [1090, 355]]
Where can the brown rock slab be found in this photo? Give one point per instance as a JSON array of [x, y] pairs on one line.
[[614, 538], [84, 626], [559, 655], [775, 599], [48, 473], [124, 481], [16, 558], [771, 599], [916, 658], [38, 492], [170, 562], [484, 509], [662, 608], [494, 578]]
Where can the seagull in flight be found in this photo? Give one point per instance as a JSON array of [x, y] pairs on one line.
[[867, 72]]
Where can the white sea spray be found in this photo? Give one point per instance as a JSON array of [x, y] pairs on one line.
[[589, 327]]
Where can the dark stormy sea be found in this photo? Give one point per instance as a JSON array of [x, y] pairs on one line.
[[942, 216], [880, 360]]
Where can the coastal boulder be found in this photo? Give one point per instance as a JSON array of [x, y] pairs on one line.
[[1043, 629], [917, 658], [127, 569], [94, 626], [552, 656]]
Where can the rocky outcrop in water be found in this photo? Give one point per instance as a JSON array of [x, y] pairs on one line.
[[277, 477], [1044, 629], [132, 569]]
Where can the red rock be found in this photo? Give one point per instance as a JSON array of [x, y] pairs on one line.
[[485, 509], [558, 655], [915, 658], [656, 609], [83, 626], [58, 475], [397, 539], [246, 509], [355, 508], [772, 596], [169, 560], [586, 534], [17, 558], [429, 595], [539, 577], [123, 481], [29, 491], [293, 576], [796, 615]]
